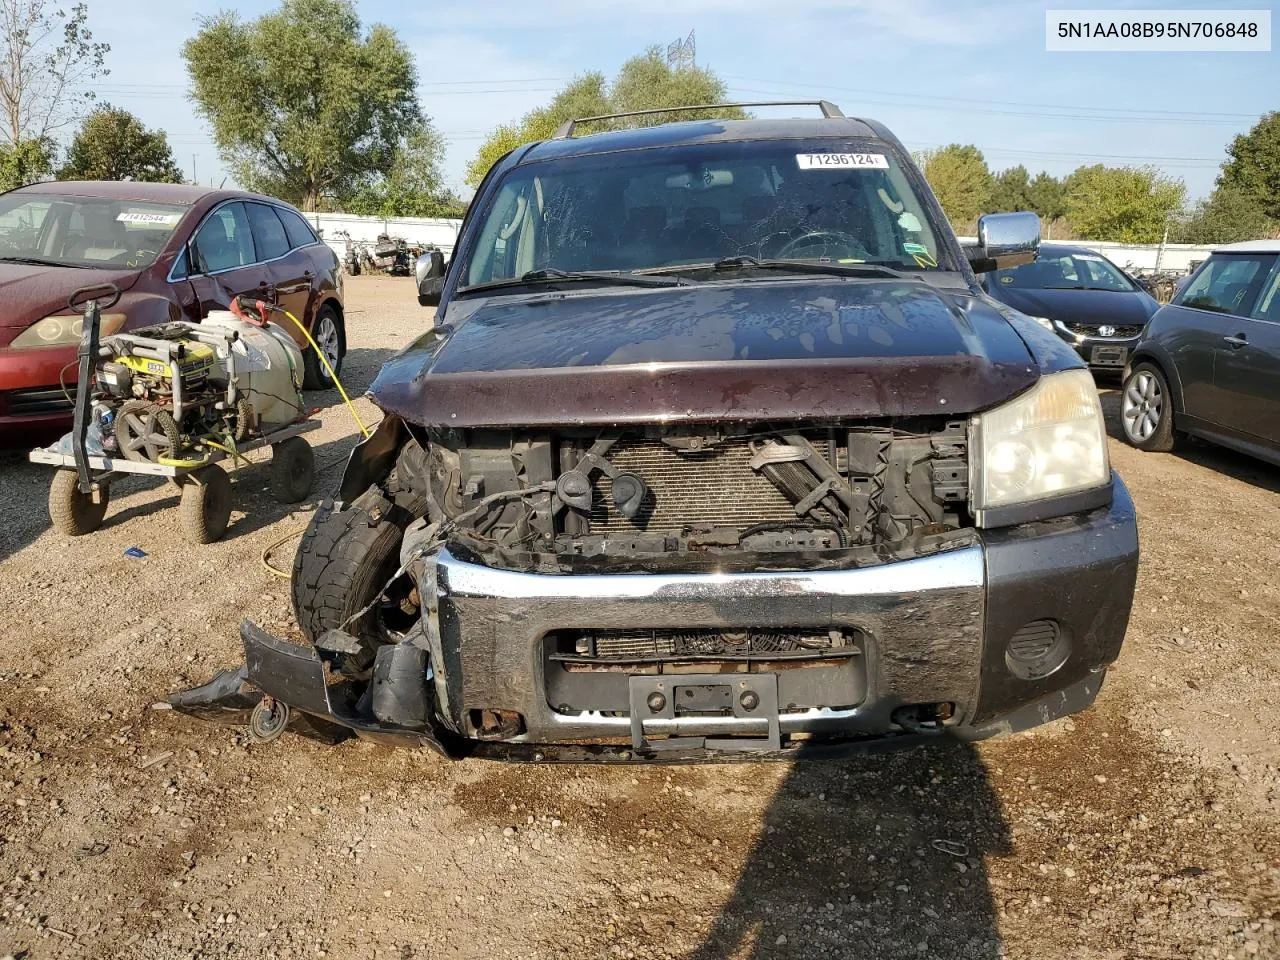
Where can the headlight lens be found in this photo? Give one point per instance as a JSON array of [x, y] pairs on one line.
[[1044, 322], [1048, 442], [61, 330]]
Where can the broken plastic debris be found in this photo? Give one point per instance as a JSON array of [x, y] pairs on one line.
[[136, 552]]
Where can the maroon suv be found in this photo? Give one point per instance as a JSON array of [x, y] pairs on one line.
[[176, 251]]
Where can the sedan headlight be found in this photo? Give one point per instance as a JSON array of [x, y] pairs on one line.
[[1044, 322], [61, 330], [1048, 442]]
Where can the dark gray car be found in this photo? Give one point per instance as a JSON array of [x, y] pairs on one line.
[[1082, 297], [1209, 362]]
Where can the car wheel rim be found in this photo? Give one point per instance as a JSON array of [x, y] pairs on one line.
[[327, 337], [1142, 406]]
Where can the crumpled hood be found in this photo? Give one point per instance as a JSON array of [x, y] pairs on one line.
[[29, 292], [765, 349]]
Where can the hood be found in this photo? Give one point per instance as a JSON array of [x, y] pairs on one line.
[[1081, 306], [28, 292], [749, 350]]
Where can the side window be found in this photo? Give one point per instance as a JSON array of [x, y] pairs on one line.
[[1226, 283], [299, 231], [223, 241], [268, 232], [1268, 306]]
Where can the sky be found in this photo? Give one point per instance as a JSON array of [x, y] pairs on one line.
[[934, 71]]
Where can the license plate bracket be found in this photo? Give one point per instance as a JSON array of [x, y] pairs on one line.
[[1107, 356], [671, 696]]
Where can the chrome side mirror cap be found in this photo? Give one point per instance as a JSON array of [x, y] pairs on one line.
[[1004, 240], [429, 270]]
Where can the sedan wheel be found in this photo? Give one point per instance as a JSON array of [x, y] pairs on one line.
[[327, 337], [327, 333], [1146, 410]]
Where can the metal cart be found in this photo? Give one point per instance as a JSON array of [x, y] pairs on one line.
[[81, 487]]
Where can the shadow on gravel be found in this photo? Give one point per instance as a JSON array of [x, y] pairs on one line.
[[877, 856], [1202, 453]]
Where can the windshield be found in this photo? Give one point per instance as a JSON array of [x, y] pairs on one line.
[[1068, 271], [85, 231], [842, 201]]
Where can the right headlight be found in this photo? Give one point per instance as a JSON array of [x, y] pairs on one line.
[[1048, 442]]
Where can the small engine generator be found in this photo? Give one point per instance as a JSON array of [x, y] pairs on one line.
[[159, 391]]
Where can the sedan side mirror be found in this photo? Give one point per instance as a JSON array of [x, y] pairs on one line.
[[1004, 240], [429, 269]]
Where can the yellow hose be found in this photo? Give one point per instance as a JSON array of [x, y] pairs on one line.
[[266, 563], [332, 373]]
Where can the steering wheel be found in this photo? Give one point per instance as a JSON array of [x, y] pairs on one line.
[[850, 244]]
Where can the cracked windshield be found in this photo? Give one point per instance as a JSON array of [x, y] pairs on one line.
[[839, 202]]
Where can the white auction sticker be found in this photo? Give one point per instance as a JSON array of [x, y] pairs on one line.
[[161, 218], [835, 161]]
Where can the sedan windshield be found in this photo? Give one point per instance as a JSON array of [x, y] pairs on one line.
[[1068, 271], [84, 231], [833, 201]]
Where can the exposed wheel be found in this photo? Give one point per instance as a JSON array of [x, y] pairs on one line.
[[293, 470], [146, 431], [268, 720], [74, 513], [1146, 409], [329, 336], [344, 559], [206, 503]]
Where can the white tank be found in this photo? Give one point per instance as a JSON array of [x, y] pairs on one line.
[[268, 368]]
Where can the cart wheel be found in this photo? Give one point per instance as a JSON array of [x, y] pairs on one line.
[[206, 503], [293, 469], [72, 512], [268, 720]]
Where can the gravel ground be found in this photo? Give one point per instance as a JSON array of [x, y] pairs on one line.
[[1144, 828]]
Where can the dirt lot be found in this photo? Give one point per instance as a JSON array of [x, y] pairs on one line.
[[1145, 828]]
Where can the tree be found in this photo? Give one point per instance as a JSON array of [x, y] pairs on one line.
[[413, 186], [47, 58], [304, 106], [1126, 204], [1048, 197], [112, 144], [1010, 191], [645, 82], [25, 162], [1227, 215], [1253, 165], [961, 181]]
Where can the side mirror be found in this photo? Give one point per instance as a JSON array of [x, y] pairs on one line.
[[1004, 240], [429, 269]]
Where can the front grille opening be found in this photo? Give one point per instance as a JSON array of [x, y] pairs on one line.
[[31, 402], [674, 645], [1036, 650], [1090, 329], [698, 489]]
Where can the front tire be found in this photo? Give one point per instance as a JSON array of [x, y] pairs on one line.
[[330, 337], [1146, 409]]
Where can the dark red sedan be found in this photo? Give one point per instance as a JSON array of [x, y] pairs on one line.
[[176, 251]]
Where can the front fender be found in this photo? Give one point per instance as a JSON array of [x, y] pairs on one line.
[[373, 457], [1153, 352]]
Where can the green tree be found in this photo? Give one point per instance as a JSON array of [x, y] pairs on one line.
[[48, 60], [1253, 165], [645, 82], [303, 105], [412, 187], [112, 144], [1010, 191], [26, 162], [1048, 196], [1227, 215], [960, 180], [1125, 204]]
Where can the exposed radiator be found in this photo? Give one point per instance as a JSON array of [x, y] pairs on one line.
[[700, 489]]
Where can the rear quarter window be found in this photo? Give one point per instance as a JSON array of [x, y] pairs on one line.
[[298, 230]]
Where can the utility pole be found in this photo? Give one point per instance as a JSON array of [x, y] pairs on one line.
[[194, 177]]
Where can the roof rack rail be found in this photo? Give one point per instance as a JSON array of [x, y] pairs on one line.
[[829, 111]]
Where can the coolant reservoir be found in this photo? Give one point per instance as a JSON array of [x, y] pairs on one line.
[[268, 368]]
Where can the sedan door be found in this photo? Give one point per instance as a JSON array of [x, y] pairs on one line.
[[225, 262], [1247, 370], [289, 272], [1204, 314]]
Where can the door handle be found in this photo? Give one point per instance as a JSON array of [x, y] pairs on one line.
[[1239, 340]]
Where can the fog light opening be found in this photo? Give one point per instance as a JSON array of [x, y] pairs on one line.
[[1037, 650], [495, 724], [924, 718]]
